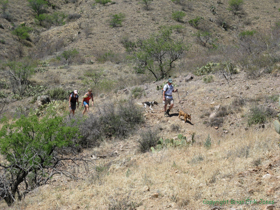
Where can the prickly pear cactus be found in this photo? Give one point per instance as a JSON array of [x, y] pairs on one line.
[[277, 123]]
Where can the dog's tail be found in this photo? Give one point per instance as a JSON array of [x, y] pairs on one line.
[[140, 104]]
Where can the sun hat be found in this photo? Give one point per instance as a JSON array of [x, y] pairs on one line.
[[75, 92], [170, 80]]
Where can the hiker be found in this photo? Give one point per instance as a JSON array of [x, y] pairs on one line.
[[167, 97], [86, 99], [73, 99]]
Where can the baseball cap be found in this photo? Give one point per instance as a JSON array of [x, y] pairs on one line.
[[170, 80], [75, 92]]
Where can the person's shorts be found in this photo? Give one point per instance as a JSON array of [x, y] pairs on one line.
[[73, 106], [86, 103], [168, 101]]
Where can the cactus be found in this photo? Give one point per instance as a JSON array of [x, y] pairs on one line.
[[277, 123], [277, 126]]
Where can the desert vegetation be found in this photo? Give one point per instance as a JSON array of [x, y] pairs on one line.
[[224, 59]]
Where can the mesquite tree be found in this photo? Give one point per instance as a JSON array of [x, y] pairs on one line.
[[32, 151]]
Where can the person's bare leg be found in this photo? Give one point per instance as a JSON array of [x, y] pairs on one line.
[[86, 109]]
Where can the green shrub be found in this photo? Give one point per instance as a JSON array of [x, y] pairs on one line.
[[19, 75], [146, 3], [2, 41], [194, 22], [178, 16], [128, 45], [69, 54], [116, 20], [47, 20], [244, 34], [107, 56], [235, 5], [22, 32], [102, 1], [178, 28], [38, 6], [158, 53], [181, 2], [4, 4], [31, 154], [58, 94], [256, 116]]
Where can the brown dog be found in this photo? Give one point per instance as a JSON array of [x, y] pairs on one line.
[[186, 116]]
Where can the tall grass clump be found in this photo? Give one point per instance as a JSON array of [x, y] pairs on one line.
[[149, 138]]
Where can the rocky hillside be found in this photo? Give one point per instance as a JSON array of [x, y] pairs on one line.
[[225, 157]]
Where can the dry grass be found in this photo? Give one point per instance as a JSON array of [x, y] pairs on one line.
[[171, 174]]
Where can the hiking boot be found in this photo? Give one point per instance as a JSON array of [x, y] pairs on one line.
[[166, 114]]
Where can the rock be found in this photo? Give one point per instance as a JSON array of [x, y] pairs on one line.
[[42, 100], [269, 207], [93, 157], [189, 78], [212, 115], [270, 191], [146, 189], [267, 176], [141, 208], [217, 107], [155, 195]]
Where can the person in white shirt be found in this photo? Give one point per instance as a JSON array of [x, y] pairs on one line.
[[168, 89]]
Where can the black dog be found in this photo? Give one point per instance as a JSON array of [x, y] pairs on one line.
[[149, 104]]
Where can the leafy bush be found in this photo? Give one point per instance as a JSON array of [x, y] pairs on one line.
[[178, 28], [204, 38], [117, 19], [194, 22], [256, 116], [147, 3], [38, 6], [47, 20], [158, 53], [181, 2], [19, 75], [69, 55], [128, 45], [102, 1], [31, 150], [4, 4], [178, 16], [58, 94], [102, 57], [235, 5], [22, 32], [149, 138]]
